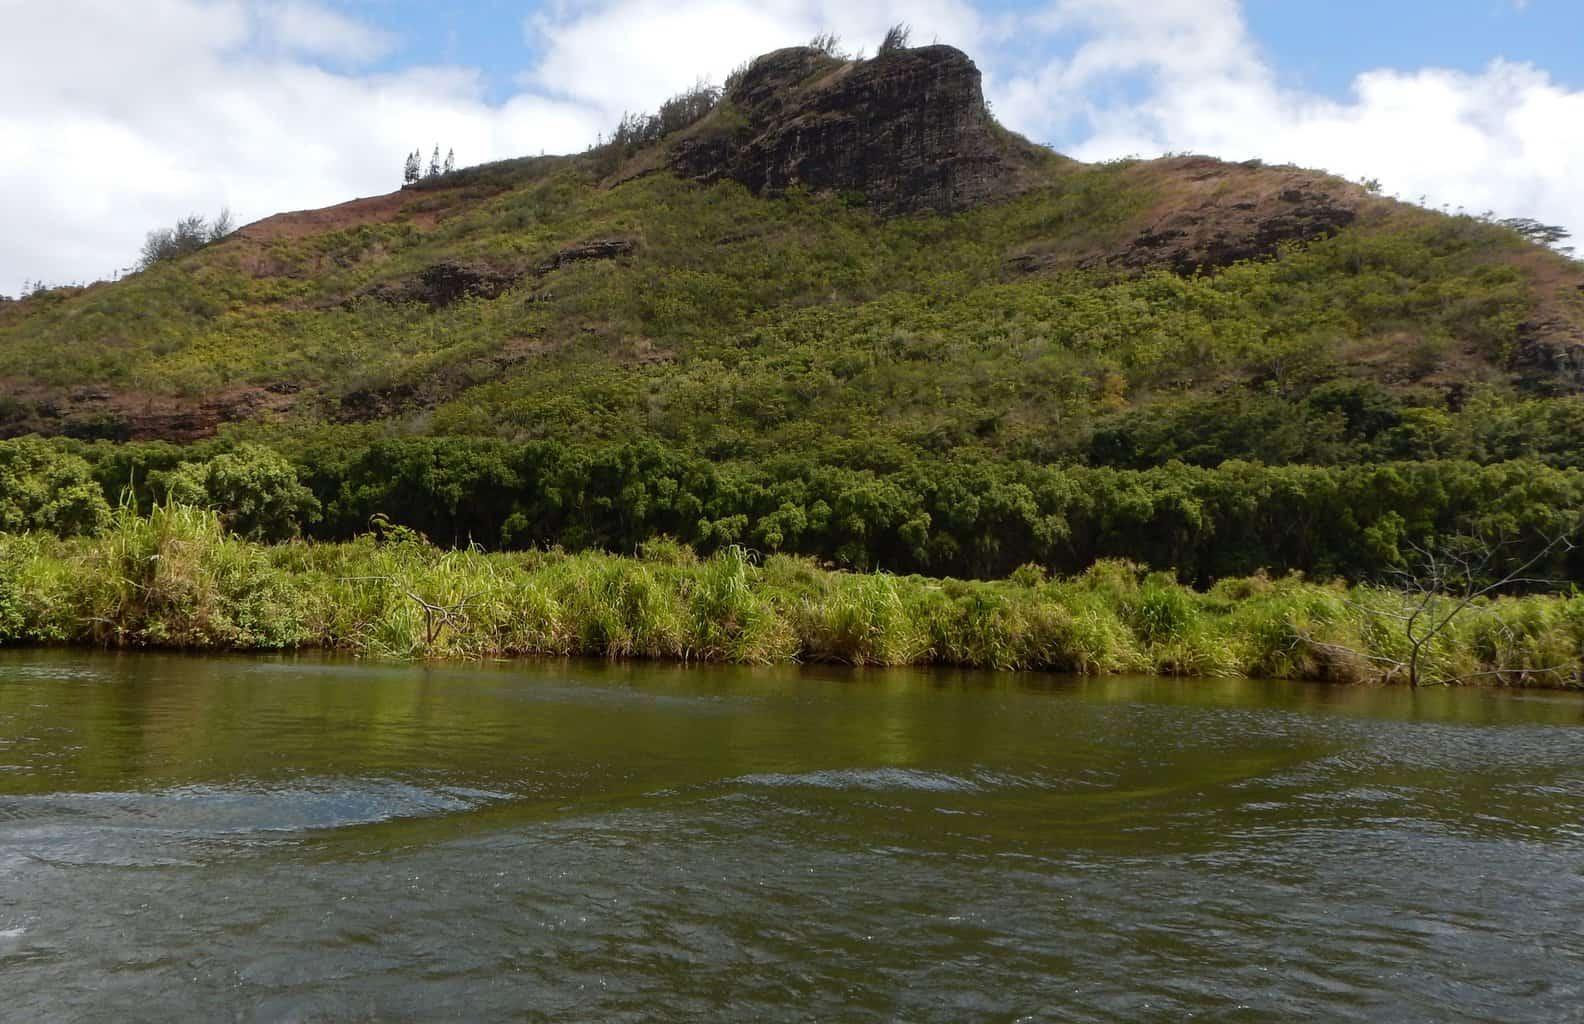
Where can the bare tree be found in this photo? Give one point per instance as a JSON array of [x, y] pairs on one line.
[[412, 169], [1444, 582]]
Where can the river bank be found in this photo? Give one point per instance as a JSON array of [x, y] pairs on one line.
[[178, 580]]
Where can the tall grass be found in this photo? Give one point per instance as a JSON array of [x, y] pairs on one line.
[[177, 579]]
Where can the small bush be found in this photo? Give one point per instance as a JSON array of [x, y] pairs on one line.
[[897, 37], [190, 234], [45, 488], [829, 44], [254, 489], [667, 551]]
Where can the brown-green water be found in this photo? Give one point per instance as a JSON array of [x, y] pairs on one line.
[[225, 839]]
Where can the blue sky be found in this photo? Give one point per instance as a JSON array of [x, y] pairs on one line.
[[1320, 46], [121, 115], [1323, 46]]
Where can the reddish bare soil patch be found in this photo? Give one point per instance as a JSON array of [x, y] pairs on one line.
[[423, 208]]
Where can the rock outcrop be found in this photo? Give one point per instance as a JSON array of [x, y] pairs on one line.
[[908, 130], [1208, 238], [1550, 355], [450, 282], [110, 414], [603, 249], [1250, 211], [447, 283]]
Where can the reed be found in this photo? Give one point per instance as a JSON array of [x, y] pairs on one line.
[[176, 578]]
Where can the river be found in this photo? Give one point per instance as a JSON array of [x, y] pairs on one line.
[[311, 839]]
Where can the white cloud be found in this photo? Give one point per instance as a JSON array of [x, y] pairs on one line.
[[179, 106], [1190, 77], [316, 31], [175, 106], [628, 55]]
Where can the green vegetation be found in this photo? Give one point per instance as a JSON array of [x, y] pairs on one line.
[[965, 517], [793, 382], [744, 326], [177, 578], [190, 234], [43, 488]]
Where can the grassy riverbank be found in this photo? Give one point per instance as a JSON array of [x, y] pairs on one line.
[[177, 579]]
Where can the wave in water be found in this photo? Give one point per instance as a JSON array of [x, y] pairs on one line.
[[878, 779], [175, 826]]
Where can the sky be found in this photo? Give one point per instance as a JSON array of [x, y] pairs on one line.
[[119, 116]]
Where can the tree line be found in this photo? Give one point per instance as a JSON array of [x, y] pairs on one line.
[[965, 518]]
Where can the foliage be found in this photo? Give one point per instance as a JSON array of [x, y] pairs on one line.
[[177, 578], [254, 489], [745, 327], [681, 111], [1536, 231], [829, 44], [959, 396], [190, 234], [897, 37], [46, 489], [964, 516]]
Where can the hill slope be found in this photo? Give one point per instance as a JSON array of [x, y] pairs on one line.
[[853, 264]]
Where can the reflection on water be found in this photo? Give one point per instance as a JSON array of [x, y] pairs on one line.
[[304, 839]]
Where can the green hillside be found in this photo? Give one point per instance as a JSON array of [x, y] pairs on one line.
[[1149, 359]]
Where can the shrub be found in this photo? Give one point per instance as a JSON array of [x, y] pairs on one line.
[[45, 488], [190, 234], [896, 38], [254, 489], [829, 44]]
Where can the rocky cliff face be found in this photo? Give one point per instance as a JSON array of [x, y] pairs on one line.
[[909, 130]]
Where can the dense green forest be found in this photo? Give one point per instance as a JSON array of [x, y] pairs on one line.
[[972, 517]]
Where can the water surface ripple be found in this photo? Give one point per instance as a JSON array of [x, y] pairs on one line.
[[232, 839]]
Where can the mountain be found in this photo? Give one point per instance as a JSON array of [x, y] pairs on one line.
[[848, 263]]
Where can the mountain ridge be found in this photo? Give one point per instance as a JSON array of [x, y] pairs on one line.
[[319, 316]]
